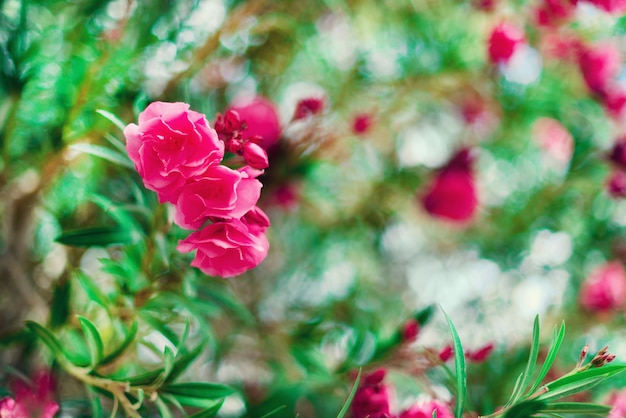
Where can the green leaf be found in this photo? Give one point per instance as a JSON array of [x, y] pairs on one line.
[[459, 362], [434, 415], [209, 412], [572, 388], [130, 337], [104, 153], [525, 409], [346, 405], [47, 338], [557, 340], [182, 362], [94, 340], [93, 292], [111, 118], [200, 390], [96, 237], [525, 377], [60, 310], [164, 410], [609, 370], [577, 408], [116, 143]]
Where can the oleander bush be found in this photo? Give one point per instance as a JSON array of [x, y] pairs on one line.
[[338, 208]]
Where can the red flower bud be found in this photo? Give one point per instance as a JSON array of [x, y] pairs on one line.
[[255, 156], [480, 355], [260, 118], [446, 353], [599, 64], [307, 107], [410, 329]]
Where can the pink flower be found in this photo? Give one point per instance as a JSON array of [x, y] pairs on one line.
[[446, 353], [452, 195], [220, 192], [599, 65], [503, 41], [605, 288], [361, 123], [226, 249], [31, 401], [256, 220], [481, 354], [554, 139], [171, 145], [618, 152], [371, 399], [553, 12], [307, 107], [616, 184], [261, 119], [425, 410], [255, 156], [618, 401]]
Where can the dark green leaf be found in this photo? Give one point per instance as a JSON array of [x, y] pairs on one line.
[[346, 405], [60, 310], [100, 236], [104, 153], [130, 337], [47, 338], [608, 370], [164, 410], [459, 361], [525, 409], [209, 412], [94, 340], [93, 292], [200, 390], [274, 411], [525, 377], [577, 408]]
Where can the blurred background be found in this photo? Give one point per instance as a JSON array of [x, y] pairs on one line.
[[466, 154]]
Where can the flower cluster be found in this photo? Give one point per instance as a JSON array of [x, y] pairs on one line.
[[372, 399], [179, 156]]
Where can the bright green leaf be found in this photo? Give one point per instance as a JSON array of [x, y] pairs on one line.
[[459, 361], [346, 405], [104, 153], [94, 340]]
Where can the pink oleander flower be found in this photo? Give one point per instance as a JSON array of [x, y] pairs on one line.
[[308, 107], [261, 119], [486, 5], [604, 289], [560, 45], [505, 38], [617, 399], [446, 353], [616, 184], [479, 355], [220, 192], [31, 401], [452, 195], [362, 123], [171, 145], [227, 249], [287, 196], [599, 64], [425, 410], [371, 399], [554, 139]]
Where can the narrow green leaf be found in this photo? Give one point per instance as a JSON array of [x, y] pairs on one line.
[[130, 337], [209, 412], [116, 211], [577, 408], [183, 361], [346, 405], [111, 118], [200, 390], [194, 401], [459, 362], [60, 309], [434, 415], [47, 338], [121, 147], [525, 409], [93, 292], [525, 377], [164, 410], [557, 340], [608, 370], [96, 237], [572, 388], [104, 153], [94, 340]]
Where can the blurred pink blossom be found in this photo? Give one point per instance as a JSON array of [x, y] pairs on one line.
[[599, 64], [371, 399], [31, 401], [605, 288], [362, 123], [505, 38], [617, 400], [308, 107], [481, 354], [554, 139], [616, 184]]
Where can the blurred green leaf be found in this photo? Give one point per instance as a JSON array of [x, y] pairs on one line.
[[459, 362], [209, 412], [47, 338], [94, 340], [111, 118], [128, 340], [577, 408], [346, 405], [101, 236], [557, 340], [200, 390], [104, 153], [524, 379], [525, 409], [60, 309]]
